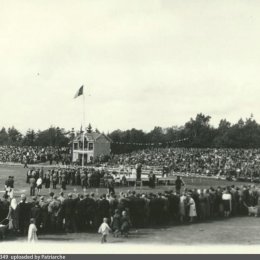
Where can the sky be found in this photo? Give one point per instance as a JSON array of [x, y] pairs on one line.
[[143, 63]]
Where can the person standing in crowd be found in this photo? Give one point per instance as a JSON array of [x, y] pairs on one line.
[[81, 213], [47, 180], [54, 180], [32, 186], [91, 205], [192, 208], [152, 179], [202, 206], [9, 185], [28, 175], [13, 216], [42, 172], [138, 172], [61, 197], [178, 184], [182, 207], [25, 163], [111, 186], [116, 223], [23, 211], [103, 208], [63, 181], [44, 215], [68, 209], [39, 185], [126, 223], [104, 230], [32, 231], [226, 197], [4, 209], [54, 210], [36, 214], [83, 179]]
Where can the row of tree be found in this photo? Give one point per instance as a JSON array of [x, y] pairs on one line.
[[53, 136], [196, 132]]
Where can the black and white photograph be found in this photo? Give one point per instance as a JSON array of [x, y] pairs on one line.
[[129, 126]]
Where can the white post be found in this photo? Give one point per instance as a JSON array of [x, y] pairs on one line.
[[83, 151], [83, 154]]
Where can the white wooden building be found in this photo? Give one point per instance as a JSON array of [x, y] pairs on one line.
[[95, 145]]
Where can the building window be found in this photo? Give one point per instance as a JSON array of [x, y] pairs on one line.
[[75, 146], [90, 146]]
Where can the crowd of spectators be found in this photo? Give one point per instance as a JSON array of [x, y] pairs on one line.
[[130, 209], [236, 163], [226, 162], [33, 155]]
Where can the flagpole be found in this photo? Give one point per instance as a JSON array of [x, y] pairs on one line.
[[83, 154]]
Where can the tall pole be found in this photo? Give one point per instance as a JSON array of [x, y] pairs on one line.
[[83, 123]]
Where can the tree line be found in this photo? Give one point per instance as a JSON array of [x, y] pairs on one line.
[[53, 136], [197, 132]]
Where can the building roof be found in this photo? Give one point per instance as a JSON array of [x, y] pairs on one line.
[[91, 137]]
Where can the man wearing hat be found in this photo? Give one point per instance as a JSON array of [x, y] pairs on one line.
[[103, 208], [68, 209], [81, 213], [32, 182], [178, 184], [54, 210], [36, 214], [4, 207], [44, 214], [23, 210]]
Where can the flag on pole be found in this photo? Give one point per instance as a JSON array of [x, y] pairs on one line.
[[79, 92]]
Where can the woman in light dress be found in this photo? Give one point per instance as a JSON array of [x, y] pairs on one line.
[[32, 232], [192, 208], [12, 215]]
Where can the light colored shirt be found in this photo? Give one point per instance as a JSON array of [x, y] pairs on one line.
[[226, 196], [104, 229]]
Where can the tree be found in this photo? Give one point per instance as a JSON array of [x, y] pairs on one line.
[[29, 138], [3, 137], [53, 136], [199, 131], [156, 135], [89, 128], [222, 134], [14, 136]]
